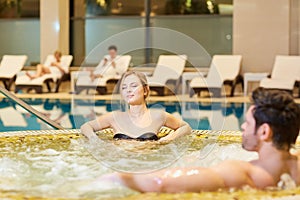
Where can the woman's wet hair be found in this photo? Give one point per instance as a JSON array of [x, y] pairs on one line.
[[278, 109], [141, 76]]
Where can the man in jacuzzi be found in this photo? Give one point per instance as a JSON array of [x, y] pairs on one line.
[[138, 122], [271, 128]]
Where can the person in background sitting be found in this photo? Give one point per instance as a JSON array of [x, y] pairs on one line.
[[271, 128], [54, 67], [108, 65]]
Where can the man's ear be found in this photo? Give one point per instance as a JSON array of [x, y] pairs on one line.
[[265, 132]]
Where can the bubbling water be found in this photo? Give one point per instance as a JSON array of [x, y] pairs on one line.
[[133, 156], [63, 168]]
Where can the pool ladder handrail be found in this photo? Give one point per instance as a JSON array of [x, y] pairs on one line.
[[30, 109]]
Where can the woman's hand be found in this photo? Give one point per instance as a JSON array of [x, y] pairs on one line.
[[87, 131], [181, 127], [166, 139], [55, 64], [89, 128]]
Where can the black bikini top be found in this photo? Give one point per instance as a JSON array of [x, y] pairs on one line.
[[145, 136]]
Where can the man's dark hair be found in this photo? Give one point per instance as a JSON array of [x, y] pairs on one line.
[[112, 47], [278, 109]]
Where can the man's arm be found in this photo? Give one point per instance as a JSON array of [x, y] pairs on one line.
[[94, 76], [174, 180], [196, 179]]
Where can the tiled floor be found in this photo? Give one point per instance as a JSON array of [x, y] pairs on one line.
[[151, 98], [64, 94], [239, 99]]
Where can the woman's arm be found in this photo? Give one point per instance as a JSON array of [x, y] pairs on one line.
[[100, 123], [58, 66], [181, 127]]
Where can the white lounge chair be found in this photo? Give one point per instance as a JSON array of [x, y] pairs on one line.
[[23, 81], [168, 67], [9, 67], [224, 69], [84, 82], [285, 74]]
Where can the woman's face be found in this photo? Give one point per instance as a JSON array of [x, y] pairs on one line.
[[132, 90], [57, 56]]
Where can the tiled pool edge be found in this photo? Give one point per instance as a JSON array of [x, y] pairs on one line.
[[217, 134]]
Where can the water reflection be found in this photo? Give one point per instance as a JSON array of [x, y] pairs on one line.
[[213, 116], [72, 114]]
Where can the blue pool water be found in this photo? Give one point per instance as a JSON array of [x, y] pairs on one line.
[[73, 113]]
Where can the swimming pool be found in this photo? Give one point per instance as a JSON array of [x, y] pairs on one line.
[[71, 114], [52, 164]]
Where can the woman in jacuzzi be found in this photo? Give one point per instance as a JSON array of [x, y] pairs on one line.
[[138, 122]]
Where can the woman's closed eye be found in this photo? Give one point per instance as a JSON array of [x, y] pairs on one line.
[[134, 84], [130, 85]]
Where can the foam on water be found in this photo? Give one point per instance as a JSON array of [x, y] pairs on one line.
[[71, 172], [136, 156]]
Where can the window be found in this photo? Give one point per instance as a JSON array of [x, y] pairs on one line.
[[19, 8], [158, 7]]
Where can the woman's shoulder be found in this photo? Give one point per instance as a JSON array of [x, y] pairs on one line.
[[111, 116], [157, 113]]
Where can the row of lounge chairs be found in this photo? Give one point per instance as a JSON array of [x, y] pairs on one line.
[[169, 68], [223, 70]]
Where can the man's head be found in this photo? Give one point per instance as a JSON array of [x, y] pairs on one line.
[[112, 50], [273, 117]]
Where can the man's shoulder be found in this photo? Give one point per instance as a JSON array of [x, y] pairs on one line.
[[236, 165], [236, 162]]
